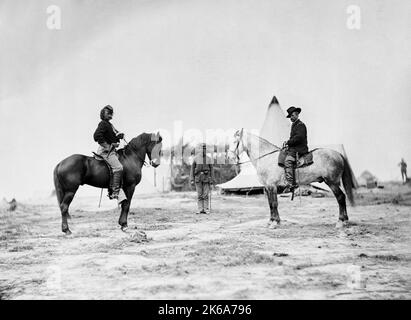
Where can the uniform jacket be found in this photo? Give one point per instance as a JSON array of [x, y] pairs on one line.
[[298, 138], [202, 169], [105, 133]]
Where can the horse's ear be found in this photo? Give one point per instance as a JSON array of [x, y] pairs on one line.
[[159, 138]]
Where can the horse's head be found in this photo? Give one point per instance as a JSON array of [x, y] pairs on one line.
[[237, 146], [153, 150], [149, 144]]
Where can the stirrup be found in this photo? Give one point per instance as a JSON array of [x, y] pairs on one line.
[[113, 195], [290, 188]]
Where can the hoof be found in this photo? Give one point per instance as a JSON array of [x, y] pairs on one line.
[[273, 224], [341, 224], [67, 232], [124, 228]]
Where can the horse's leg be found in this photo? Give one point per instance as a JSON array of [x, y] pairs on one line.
[[340, 196], [125, 207], [273, 203], [64, 208]]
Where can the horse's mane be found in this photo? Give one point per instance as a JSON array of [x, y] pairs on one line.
[[143, 139], [137, 142], [262, 140]]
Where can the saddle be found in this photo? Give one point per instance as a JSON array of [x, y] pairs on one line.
[[303, 161], [110, 170]]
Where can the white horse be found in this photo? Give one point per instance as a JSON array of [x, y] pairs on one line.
[[329, 166]]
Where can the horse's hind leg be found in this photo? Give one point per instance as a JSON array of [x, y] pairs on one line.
[[64, 208], [340, 196], [273, 203]]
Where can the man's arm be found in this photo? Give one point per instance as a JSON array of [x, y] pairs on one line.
[[193, 166], [212, 173]]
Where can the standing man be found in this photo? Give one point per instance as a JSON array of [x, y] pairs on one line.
[[403, 166], [296, 144], [108, 139], [202, 175]]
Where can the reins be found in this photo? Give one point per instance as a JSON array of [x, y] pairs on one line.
[[241, 140], [278, 150], [136, 153]]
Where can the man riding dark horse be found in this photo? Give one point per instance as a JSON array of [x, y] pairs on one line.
[[296, 147], [108, 139]]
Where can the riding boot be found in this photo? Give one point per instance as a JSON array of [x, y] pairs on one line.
[[116, 183], [290, 181]]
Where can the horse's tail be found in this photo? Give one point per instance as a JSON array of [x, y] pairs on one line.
[[58, 186], [348, 181]]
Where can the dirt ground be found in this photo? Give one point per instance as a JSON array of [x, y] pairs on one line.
[[229, 254]]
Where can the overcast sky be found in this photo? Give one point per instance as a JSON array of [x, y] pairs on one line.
[[211, 65]]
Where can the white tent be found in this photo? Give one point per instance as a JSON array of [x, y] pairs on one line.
[[367, 179], [246, 181], [276, 128]]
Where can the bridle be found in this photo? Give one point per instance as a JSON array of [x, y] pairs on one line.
[[237, 154], [135, 151]]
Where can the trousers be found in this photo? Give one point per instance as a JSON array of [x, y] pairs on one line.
[[404, 175], [111, 158], [203, 191]]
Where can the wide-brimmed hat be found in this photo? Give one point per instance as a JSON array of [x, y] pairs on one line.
[[290, 110]]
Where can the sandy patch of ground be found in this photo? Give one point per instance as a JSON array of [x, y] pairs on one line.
[[229, 254]]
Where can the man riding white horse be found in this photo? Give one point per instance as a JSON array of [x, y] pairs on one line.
[[296, 147]]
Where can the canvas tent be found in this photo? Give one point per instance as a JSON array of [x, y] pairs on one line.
[[276, 129], [367, 179], [246, 181]]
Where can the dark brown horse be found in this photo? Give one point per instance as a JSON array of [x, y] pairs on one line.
[[78, 170]]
